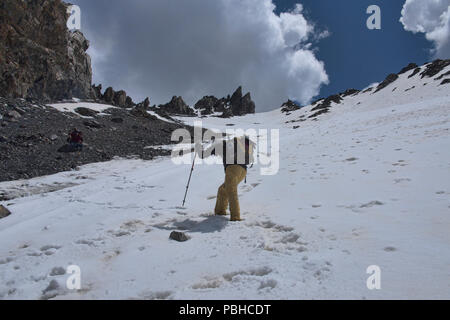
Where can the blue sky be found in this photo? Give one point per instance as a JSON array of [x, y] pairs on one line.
[[355, 56]]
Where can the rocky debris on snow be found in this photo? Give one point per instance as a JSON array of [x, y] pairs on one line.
[[40, 58], [289, 106], [349, 92], [179, 236], [416, 71], [324, 105], [443, 75], [434, 68], [389, 79], [4, 212], [234, 105], [29, 145], [410, 66]]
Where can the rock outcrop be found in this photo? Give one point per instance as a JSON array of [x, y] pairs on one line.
[[410, 66], [115, 98], [434, 68], [207, 105], [289, 106], [39, 57], [176, 106], [236, 105], [389, 79]]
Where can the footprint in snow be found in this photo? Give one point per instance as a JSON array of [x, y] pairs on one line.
[[372, 204]]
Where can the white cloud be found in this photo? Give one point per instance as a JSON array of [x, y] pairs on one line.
[[431, 17], [193, 48]]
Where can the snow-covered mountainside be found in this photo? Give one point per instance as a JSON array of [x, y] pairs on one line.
[[365, 183]]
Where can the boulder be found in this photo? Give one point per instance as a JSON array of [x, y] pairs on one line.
[[179, 236], [4, 212]]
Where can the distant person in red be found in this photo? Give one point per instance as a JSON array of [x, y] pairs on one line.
[[75, 139]]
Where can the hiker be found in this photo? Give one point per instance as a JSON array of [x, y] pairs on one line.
[[75, 139], [235, 171]]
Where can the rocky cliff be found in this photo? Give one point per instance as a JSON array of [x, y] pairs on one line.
[[39, 57]]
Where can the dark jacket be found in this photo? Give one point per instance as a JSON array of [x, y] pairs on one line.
[[75, 137]]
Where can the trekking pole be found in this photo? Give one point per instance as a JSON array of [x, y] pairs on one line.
[[189, 181]]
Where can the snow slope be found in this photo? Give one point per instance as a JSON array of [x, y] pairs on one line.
[[366, 184]]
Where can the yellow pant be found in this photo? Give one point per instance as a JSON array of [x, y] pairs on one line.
[[228, 195]]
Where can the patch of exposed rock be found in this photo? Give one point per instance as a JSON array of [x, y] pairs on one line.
[[39, 57], [30, 139], [235, 105]]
